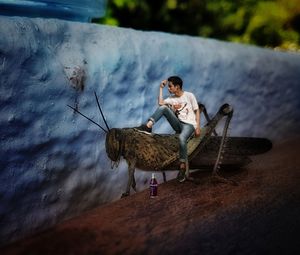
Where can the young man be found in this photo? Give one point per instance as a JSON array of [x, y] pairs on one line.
[[182, 112]]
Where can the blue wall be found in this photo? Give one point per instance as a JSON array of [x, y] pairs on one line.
[[53, 162], [76, 10]]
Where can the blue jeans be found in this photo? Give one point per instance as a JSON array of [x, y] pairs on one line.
[[185, 130]]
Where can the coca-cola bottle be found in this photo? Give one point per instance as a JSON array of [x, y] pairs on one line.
[[153, 186]]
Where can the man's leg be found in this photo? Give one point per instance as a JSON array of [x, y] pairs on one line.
[[169, 114], [161, 111], [187, 131]]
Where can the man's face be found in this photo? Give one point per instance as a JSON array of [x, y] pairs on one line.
[[172, 88]]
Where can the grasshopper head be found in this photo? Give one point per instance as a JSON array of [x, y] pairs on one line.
[[113, 143]]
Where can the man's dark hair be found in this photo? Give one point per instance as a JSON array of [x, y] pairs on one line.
[[176, 80]]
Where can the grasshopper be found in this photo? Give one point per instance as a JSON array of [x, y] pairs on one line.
[[158, 152]]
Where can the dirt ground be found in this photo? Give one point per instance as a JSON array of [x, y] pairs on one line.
[[259, 215]]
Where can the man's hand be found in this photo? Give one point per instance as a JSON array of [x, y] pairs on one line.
[[163, 83], [197, 132]]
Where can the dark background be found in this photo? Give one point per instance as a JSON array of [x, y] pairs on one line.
[[273, 23]]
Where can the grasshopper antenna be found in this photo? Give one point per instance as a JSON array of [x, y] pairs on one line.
[[87, 118], [101, 111]]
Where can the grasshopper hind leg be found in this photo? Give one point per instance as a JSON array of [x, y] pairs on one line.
[[133, 185], [216, 178]]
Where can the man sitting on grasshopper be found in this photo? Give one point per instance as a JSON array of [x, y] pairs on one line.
[[182, 112]]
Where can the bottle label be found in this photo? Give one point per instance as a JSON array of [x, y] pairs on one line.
[[153, 190]]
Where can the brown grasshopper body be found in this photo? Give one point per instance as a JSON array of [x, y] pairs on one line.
[[155, 152]]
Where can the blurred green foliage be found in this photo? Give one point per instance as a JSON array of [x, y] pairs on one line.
[[272, 23]]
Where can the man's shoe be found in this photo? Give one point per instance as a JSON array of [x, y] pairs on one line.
[[144, 129], [181, 175]]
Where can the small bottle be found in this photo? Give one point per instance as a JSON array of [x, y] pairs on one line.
[[153, 186]]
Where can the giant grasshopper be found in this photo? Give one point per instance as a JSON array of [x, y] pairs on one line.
[[158, 152]]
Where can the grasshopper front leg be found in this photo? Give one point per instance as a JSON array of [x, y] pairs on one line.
[[131, 179]]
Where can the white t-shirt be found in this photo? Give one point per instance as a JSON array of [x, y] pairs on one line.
[[184, 107]]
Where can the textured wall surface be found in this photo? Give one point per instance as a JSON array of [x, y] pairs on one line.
[[75, 10], [53, 161]]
